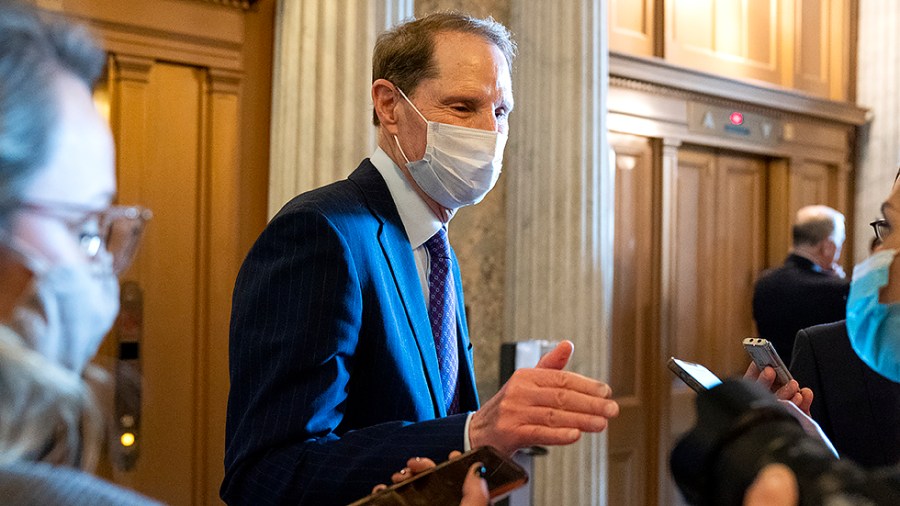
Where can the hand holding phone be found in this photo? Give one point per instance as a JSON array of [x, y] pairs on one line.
[[764, 355], [442, 485], [696, 376]]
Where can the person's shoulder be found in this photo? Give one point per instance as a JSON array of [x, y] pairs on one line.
[[45, 484], [835, 331], [775, 277], [340, 196]]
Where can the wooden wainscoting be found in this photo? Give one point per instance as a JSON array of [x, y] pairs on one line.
[[633, 436]]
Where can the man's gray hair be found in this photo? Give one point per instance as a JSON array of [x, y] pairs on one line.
[[816, 223], [404, 55], [33, 52]]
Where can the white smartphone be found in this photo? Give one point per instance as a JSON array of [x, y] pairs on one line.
[[694, 375], [764, 355]]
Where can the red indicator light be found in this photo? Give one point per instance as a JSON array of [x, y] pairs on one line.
[[736, 118]]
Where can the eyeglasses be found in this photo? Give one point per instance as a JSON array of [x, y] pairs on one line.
[[882, 228], [116, 229]]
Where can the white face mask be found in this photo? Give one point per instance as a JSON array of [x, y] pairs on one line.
[[68, 310], [460, 165]]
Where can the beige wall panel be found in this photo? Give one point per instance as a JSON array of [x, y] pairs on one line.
[[813, 39], [632, 27], [689, 25], [737, 38], [730, 15]]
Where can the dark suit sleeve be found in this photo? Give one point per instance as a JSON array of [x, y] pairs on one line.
[[805, 370], [295, 324]]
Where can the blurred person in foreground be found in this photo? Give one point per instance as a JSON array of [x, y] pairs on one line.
[[61, 246]]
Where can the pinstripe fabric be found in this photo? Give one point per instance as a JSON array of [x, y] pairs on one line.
[[334, 377], [38, 484]]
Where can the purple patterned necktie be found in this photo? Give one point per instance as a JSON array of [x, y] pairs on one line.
[[442, 313]]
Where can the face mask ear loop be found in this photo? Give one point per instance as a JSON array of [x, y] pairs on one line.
[[408, 101], [397, 142]]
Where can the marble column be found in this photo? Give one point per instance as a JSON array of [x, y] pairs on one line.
[[560, 203], [878, 79], [321, 105]]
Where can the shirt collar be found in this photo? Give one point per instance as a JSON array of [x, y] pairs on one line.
[[418, 220]]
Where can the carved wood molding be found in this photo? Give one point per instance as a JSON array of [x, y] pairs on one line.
[[658, 76], [225, 81], [132, 68], [237, 4]]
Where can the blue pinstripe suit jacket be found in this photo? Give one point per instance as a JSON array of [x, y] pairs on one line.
[[334, 375]]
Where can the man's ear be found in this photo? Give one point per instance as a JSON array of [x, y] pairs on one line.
[[826, 250], [384, 98]]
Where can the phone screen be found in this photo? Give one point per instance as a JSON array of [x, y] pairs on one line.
[[701, 374]]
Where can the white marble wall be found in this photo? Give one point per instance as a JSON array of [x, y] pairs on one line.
[[560, 202], [878, 88], [321, 105]]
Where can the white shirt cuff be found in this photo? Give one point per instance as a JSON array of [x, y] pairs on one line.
[[467, 445]]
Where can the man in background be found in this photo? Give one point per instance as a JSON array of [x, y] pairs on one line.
[[809, 289]]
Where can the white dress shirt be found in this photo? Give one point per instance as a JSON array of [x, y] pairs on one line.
[[420, 224]]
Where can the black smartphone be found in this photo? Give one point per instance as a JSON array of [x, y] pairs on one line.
[[764, 355], [442, 485], [696, 376]]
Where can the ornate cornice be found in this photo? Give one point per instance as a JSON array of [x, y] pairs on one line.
[[659, 76]]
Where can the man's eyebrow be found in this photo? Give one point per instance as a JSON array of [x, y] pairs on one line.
[[884, 205]]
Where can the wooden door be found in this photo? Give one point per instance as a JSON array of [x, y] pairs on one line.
[[738, 258], [176, 155], [718, 242], [690, 287], [633, 439]]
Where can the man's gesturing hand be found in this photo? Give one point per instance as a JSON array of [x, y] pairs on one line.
[[543, 406]]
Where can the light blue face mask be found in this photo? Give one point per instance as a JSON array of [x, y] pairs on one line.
[[874, 328]]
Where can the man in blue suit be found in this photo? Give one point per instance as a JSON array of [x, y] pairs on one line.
[[349, 346]]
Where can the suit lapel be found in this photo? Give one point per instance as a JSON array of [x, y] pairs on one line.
[[467, 371], [398, 255]]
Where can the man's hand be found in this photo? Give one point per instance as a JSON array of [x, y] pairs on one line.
[[543, 406], [802, 397], [474, 488]]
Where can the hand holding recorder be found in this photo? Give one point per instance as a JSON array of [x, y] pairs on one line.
[[768, 370]]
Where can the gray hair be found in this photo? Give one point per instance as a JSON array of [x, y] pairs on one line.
[[814, 224], [404, 55], [33, 52]]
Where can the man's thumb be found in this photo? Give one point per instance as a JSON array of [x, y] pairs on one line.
[[558, 357]]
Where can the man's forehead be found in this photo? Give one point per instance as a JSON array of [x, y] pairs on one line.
[[466, 52]]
